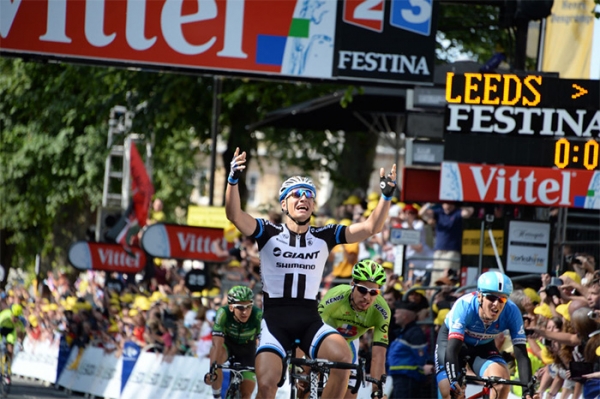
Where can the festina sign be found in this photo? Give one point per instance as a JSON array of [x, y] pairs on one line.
[[183, 242], [107, 257], [523, 121], [391, 41], [520, 185]]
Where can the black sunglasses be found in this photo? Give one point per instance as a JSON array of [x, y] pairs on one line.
[[365, 290], [494, 298], [299, 192]]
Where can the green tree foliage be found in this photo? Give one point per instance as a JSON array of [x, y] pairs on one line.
[[475, 29], [54, 135]]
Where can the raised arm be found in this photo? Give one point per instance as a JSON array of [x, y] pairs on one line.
[[233, 206], [375, 222]]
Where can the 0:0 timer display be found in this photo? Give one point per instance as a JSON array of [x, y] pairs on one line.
[[576, 154]]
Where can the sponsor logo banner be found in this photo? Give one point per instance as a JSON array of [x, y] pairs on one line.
[[520, 185], [183, 242], [528, 247], [386, 40], [108, 257], [392, 41]]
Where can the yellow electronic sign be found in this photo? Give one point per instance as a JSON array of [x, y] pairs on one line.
[[522, 91]]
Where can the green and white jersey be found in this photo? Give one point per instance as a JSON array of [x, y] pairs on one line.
[[240, 333], [335, 309]]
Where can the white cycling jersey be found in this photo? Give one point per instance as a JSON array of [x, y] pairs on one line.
[[292, 264]]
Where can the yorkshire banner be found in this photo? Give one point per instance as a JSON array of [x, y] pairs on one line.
[[570, 39], [392, 41]]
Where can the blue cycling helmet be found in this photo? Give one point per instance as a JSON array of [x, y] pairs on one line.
[[494, 282]]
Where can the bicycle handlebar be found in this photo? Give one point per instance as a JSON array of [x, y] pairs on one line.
[[322, 364], [379, 383], [233, 367], [489, 381]]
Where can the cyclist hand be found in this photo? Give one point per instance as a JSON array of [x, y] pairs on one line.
[[378, 394], [236, 167], [209, 378], [457, 391]]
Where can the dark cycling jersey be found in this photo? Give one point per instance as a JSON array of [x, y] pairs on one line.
[[239, 333], [464, 323]]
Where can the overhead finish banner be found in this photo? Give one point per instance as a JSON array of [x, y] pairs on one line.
[[465, 182], [373, 40]]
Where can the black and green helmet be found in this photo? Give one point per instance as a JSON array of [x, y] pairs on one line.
[[239, 293], [367, 270]]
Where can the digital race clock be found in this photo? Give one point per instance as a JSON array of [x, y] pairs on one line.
[[575, 154], [563, 153]]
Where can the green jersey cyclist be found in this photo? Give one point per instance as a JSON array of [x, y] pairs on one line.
[[234, 336], [353, 309]]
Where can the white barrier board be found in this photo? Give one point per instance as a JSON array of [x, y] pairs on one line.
[[38, 359]]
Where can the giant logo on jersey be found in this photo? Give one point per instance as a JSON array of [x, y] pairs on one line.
[[295, 255]]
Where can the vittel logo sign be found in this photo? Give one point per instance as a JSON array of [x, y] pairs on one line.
[[410, 15], [519, 185]]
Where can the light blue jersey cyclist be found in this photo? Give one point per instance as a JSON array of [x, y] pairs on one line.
[[469, 331]]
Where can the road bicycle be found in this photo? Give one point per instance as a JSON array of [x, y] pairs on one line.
[[318, 372], [5, 380], [489, 384], [236, 370]]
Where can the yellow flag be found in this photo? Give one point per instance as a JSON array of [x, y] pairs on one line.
[[568, 39]]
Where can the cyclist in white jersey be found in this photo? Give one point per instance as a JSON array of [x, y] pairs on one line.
[[293, 256]]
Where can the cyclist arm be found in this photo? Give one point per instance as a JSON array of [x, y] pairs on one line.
[[374, 224], [377, 362], [244, 222], [453, 368], [218, 349], [523, 362]]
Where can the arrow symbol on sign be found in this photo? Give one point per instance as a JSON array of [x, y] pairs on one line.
[[580, 91]]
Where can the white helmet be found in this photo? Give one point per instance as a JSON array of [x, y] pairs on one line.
[[295, 182]]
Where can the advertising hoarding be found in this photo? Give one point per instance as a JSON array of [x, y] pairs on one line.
[[520, 185], [275, 39]]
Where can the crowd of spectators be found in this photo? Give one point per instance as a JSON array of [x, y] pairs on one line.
[[159, 313]]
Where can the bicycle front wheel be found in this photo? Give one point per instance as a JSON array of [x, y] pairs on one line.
[[233, 392]]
